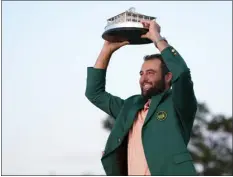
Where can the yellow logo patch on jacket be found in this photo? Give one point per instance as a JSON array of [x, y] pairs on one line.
[[161, 115]]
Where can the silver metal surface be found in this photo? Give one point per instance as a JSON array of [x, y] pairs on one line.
[[124, 25]]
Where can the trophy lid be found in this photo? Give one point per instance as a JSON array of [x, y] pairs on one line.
[[132, 12], [127, 26]]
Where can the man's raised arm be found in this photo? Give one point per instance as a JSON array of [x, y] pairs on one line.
[[96, 80], [183, 95]]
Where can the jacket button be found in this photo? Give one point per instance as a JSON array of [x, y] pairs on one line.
[[119, 140]]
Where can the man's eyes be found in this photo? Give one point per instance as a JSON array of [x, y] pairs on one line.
[[150, 72], [147, 72]]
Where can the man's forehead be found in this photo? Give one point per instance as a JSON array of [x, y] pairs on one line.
[[151, 64]]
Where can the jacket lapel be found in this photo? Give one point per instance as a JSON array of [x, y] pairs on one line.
[[132, 113], [155, 101]]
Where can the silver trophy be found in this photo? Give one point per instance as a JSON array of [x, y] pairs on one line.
[[127, 27]]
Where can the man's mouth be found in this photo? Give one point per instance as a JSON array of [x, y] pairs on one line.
[[146, 86]]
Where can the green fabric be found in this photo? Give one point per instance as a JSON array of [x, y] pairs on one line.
[[167, 127]]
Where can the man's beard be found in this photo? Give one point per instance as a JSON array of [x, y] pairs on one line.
[[155, 90]]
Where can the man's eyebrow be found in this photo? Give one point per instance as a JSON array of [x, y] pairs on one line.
[[150, 70], [147, 70]]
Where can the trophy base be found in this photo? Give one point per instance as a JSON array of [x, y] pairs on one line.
[[131, 34]]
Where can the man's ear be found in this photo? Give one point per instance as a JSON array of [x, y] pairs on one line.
[[168, 77]]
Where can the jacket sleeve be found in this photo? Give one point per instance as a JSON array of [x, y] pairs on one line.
[[183, 94], [96, 94]]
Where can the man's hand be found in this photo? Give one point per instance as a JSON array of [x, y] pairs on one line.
[[154, 33], [106, 53], [154, 30], [113, 46]]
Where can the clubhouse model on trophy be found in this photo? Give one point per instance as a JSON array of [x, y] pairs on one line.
[[127, 27]]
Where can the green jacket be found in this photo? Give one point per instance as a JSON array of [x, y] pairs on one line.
[[167, 127]]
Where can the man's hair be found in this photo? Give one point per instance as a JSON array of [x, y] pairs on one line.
[[164, 68]]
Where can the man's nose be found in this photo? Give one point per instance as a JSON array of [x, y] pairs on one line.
[[144, 78]]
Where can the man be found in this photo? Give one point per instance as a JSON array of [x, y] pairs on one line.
[[152, 130]]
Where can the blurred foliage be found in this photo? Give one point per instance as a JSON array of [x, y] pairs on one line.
[[210, 144]]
